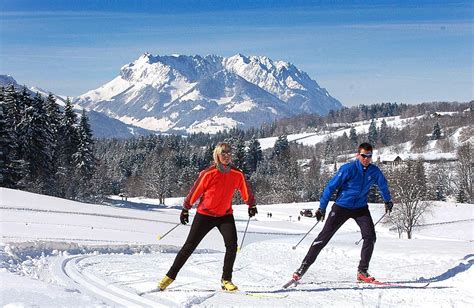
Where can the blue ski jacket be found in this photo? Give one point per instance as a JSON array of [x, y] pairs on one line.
[[354, 182]]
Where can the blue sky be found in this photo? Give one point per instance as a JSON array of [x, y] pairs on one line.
[[362, 52]]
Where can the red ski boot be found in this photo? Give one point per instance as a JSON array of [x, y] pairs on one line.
[[364, 276]]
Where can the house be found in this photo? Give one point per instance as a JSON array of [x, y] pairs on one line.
[[390, 160]]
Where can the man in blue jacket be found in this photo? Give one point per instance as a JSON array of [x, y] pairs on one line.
[[353, 180]]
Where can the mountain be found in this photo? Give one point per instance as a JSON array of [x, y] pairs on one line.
[[102, 126], [186, 94]]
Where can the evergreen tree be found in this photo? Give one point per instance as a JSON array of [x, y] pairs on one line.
[[55, 117], [373, 134], [384, 134], [69, 133], [461, 196], [254, 155], [238, 159], [25, 113], [281, 149], [420, 177], [436, 135], [7, 145], [36, 145], [330, 152], [313, 183], [353, 137], [293, 183], [343, 143], [13, 105], [14, 169], [438, 182], [207, 157], [68, 147], [84, 161]]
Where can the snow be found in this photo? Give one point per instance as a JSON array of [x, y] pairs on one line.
[[198, 107], [193, 95], [431, 153], [213, 125], [108, 91], [58, 252], [242, 106], [232, 85], [150, 123]]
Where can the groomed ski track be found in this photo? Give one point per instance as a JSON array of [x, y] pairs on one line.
[[96, 287]]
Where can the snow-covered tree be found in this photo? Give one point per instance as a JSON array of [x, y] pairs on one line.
[[8, 145], [465, 170], [281, 149], [436, 134], [408, 188], [36, 145], [384, 135], [313, 184], [330, 152], [70, 136], [373, 133], [159, 175], [238, 157], [353, 137], [67, 148], [83, 159], [254, 155], [438, 182]]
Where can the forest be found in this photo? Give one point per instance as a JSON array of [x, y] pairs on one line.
[[51, 150]]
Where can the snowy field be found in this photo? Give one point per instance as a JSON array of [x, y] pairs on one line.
[[56, 252]]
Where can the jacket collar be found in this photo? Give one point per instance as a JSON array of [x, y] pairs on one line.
[[223, 168], [360, 166]]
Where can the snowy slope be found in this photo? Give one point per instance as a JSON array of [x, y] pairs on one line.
[[432, 152], [63, 253], [187, 94]]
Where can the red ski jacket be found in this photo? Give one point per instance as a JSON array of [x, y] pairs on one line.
[[216, 189]]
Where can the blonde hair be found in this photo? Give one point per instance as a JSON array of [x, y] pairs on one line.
[[221, 146]]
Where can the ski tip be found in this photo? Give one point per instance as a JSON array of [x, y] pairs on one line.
[[158, 237], [238, 248]]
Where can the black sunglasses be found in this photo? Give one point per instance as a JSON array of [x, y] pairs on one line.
[[226, 152], [366, 155]]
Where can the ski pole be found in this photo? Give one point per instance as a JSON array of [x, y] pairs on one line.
[[357, 243], [162, 236], [243, 238], [294, 247]]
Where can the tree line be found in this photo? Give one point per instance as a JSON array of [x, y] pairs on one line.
[[47, 149], [44, 148]]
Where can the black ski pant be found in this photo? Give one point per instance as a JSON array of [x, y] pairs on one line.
[[336, 218], [201, 225]]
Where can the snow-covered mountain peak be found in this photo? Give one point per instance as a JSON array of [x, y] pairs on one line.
[[179, 92], [7, 80]]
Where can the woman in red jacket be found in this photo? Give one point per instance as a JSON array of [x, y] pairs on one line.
[[214, 188]]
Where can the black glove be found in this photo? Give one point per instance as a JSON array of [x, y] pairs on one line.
[[320, 213], [388, 206], [252, 211], [184, 217]]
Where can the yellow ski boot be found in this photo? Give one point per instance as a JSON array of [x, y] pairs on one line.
[[227, 285], [165, 282]]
